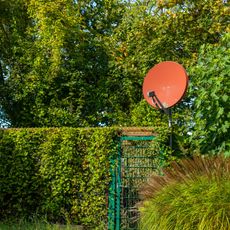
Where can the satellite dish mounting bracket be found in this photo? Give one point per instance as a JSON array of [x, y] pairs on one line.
[[167, 111]]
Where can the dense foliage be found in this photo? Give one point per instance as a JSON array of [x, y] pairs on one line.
[[54, 61], [210, 92], [62, 174], [192, 194]]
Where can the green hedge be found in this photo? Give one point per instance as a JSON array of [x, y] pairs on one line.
[[62, 173]]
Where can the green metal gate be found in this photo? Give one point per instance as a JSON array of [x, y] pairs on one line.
[[136, 160]]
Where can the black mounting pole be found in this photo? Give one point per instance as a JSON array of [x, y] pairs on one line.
[[170, 127]]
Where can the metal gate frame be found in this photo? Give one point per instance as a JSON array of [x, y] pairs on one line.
[[116, 194]]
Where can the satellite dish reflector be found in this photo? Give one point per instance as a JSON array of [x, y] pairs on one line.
[[165, 84]]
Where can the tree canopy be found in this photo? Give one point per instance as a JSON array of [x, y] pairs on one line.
[[82, 63]]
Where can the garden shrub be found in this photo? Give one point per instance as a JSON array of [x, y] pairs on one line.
[[191, 194], [62, 173]]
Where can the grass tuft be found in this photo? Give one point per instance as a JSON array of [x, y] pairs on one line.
[[192, 194], [35, 224]]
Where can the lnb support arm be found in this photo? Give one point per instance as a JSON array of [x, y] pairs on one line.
[[157, 102]]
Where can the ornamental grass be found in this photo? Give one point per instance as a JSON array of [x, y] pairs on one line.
[[193, 194]]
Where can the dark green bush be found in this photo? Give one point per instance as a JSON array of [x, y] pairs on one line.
[[62, 173], [193, 194]]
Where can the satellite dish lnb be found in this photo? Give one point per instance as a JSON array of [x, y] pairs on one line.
[[165, 85]]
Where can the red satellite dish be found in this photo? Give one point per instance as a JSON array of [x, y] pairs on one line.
[[165, 84]]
